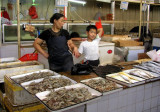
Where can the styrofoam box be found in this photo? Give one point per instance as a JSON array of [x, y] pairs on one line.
[[18, 69], [15, 93], [8, 60]]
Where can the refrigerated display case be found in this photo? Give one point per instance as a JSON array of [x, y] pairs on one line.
[[81, 28], [10, 33]]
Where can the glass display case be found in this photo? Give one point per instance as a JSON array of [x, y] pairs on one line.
[[81, 28], [10, 33]]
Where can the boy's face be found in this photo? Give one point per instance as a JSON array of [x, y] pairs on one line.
[[92, 34]]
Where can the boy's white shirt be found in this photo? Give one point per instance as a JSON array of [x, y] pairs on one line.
[[90, 49]]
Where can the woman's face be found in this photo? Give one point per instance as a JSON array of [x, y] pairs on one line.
[[59, 23]]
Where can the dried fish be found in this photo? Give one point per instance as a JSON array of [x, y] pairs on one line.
[[101, 85], [48, 83], [33, 76]]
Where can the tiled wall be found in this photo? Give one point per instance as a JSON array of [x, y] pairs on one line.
[[143, 98], [12, 51]]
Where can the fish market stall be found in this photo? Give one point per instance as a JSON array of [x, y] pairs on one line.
[[143, 97], [124, 90]]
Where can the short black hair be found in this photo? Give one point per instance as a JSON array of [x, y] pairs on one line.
[[91, 27], [56, 16], [74, 34]]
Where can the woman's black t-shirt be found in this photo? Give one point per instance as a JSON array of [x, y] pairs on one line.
[[57, 44]]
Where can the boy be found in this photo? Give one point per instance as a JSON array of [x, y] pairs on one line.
[[90, 47]]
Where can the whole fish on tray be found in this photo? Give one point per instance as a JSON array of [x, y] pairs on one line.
[[127, 77], [141, 73]]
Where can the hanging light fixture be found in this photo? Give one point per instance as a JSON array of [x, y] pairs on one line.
[[108, 1], [77, 1]]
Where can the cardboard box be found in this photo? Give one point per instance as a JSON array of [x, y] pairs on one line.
[[143, 56], [125, 43], [110, 38]]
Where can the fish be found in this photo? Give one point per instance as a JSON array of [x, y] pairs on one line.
[[139, 74]]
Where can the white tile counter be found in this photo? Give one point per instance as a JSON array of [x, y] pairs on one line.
[[143, 98]]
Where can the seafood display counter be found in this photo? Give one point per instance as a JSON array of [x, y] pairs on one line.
[[133, 90], [144, 97]]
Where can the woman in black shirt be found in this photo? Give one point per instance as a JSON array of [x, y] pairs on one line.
[[58, 44]]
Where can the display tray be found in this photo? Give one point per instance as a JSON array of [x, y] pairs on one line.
[[17, 78], [140, 73], [43, 95], [103, 91], [150, 66], [119, 79], [25, 85], [17, 64], [8, 60]]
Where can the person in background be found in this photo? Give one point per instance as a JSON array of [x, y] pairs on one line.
[[75, 36], [90, 47], [58, 43]]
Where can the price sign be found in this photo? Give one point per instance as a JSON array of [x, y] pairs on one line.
[[124, 5], [61, 3]]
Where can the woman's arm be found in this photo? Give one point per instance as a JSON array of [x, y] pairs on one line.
[[37, 45]]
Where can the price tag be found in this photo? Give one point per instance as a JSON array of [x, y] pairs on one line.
[[124, 5], [61, 3], [144, 7]]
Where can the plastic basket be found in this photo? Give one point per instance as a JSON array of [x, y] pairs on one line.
[[29, 57]]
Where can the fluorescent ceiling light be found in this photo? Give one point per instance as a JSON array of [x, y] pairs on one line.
[[108, 1], [77, 1]]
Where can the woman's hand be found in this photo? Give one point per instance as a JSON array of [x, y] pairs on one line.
[[46, 55]]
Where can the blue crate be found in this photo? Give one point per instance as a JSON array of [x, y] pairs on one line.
[[156, 48]]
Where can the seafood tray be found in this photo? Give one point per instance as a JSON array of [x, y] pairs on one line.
[[48, 83], [17, 64], [125, 79], [22, 66], [151, 66], [148, 76], [101, 71], [8, 60], [33, 75], [72, 92], [102, 85]]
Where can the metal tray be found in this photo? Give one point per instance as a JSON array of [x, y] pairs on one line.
[[120, 80], [42, 95], [27, 74], [145, 66], [106, 92], [25, 84], [8, 60], [156, 76]]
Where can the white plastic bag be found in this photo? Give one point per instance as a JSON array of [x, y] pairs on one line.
[[155, 56]]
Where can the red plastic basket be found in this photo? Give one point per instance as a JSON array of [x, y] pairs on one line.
[[29, 57]]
